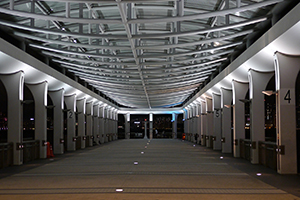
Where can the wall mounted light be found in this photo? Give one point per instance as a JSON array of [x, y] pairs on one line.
[[269, 92]]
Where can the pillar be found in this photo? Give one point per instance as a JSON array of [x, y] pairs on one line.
[[185, 124], [57, 98], [174, 125], [71, 108], [286, 71], [102, 125], [203, 123], [127, 125], [39, 92], [240, 90], [150, 126], [199, 122], [209, 121], [81, 107], [96, 126], [89, 122], [226, 99], [257, 83], [217, 127], [14, 85]]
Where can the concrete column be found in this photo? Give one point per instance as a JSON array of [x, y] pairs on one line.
[[116, 126], [210, 122], [96, 123], [203, 123], [150, 126], [39, 92], [174, 125], [257, 83], [217, 128], [185, 124], [106, 123], [102, 125], [286, 72], [190, 122], [145, 130], [57, 98], [81, 108], [240, 90], [195, 107], [127, 125], [14, 85], [71, 108], [199, 122], [226, 99], [89, 122]]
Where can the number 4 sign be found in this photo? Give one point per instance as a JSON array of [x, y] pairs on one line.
[[287, 96]]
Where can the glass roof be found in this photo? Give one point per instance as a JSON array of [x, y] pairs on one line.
[[141, 54]]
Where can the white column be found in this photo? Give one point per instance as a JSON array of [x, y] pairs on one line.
[[89, 122], [14, 85], [71, 108], [210, 122], [217, 129], [39, 92], [57, 98], [81, 107], [127, 125], [174, 125], [203, 123], [226, 99], [185, 123], [150, 126], [102, 125], [96, 127], [195, 107], [240, 90], [199, 122], [257, 83], [286, 72]]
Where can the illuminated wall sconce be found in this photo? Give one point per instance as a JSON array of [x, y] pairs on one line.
[[83, 137], [269, 92], [74, 139], [62, 141], [228, 106]]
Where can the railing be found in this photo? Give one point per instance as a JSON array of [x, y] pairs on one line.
[[31, 150], [6, 154], [268, 154], [245, 149]]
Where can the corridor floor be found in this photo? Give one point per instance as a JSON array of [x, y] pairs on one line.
[[144, 169]]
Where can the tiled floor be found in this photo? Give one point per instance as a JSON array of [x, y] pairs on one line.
[[143, 169]]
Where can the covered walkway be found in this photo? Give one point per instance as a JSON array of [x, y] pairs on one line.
[[144, 169]]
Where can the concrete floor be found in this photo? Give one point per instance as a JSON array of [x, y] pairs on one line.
[[143, 169]]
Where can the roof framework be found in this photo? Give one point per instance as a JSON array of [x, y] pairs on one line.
[[141, 54]]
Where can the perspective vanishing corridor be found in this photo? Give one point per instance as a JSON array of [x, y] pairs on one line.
[[142, 169]]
